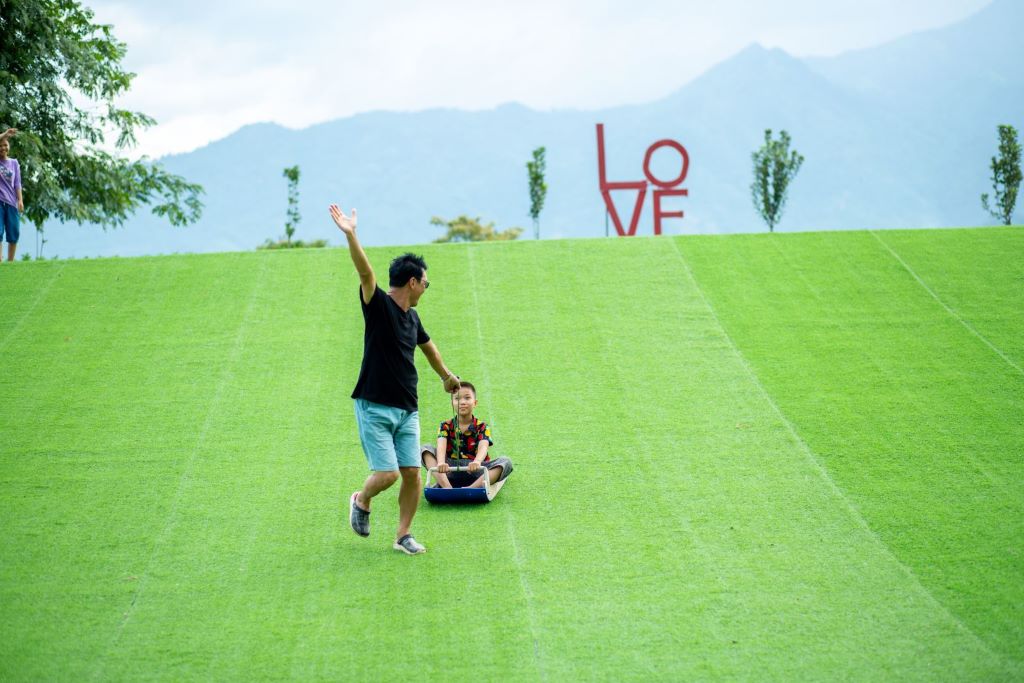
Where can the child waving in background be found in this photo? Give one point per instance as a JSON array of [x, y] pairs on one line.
[[12, 202], [474, 440]]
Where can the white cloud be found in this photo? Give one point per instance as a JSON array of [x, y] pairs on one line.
[[206, 68]]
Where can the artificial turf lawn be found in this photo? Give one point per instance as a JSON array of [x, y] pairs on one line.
[[764, 457]]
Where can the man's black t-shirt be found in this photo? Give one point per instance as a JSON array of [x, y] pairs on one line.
[[388, 375]]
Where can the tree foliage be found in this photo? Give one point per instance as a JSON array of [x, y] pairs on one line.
[[538, 187], [292, 217], [1006, 176], [293, 244], [466, 229], [775, 166], [60, 75]]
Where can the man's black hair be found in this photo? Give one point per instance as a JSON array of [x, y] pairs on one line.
[[404, 267]]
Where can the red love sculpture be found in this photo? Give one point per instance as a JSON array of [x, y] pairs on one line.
[[665, 188]]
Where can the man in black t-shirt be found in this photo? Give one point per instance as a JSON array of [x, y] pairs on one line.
[[385, 394]]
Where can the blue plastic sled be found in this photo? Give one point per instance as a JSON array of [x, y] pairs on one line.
[[436, 494]]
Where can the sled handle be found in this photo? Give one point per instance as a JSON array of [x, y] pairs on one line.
[[464, 468], [460, 468]]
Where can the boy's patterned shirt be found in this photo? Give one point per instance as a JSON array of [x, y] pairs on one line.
[[469, 440]]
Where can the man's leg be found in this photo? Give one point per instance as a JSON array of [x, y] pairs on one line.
[[408, 499], [374, 484], [11, 248], [409, 455], [376, 425]]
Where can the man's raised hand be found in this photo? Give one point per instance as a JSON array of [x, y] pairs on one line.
[[346, 224]]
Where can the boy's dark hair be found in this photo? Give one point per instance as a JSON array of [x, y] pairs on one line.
[[404, 267], [468, 385]]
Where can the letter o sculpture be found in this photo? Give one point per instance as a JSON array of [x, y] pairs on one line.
[[682, 153]]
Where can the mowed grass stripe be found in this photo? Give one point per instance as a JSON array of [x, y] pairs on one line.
[[949, 310], [815, 461], [978, 273], [647, 361], [912, 415], [496, 422], [16, 310], [485, 591], [827, 492], [252, 555], [181, 491], [582, 555], [88, 464]]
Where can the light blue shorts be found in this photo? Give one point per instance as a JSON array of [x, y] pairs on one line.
[[390, 436]]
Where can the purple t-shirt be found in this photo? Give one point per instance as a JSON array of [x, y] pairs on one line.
[[10, 181]]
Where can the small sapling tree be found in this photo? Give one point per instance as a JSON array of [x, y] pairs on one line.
[[538, 188], [1006, 176], [775, 166], [292, 217]]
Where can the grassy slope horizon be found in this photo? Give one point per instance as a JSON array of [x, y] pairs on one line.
[[753, 456]]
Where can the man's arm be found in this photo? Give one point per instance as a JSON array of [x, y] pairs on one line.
[[9, 133], [21, 202], [367, 280], [451, 382]]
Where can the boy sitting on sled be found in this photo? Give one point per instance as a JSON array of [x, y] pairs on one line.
[[473, 438]]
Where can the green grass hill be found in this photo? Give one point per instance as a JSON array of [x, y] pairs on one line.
[[760, 457]]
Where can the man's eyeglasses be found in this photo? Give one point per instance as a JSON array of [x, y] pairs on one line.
[[425, 283]]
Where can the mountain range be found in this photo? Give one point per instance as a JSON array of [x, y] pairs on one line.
[[899, 135]]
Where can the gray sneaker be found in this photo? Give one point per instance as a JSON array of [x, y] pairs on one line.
[[408, 545], [358, 517]]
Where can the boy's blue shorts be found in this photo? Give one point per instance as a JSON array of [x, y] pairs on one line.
[[390, 436], [10, 223]]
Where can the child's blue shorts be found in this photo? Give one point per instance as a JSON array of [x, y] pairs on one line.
[[10, 220], [390, 436]]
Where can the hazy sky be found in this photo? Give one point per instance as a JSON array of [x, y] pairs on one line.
[[205, 68]]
